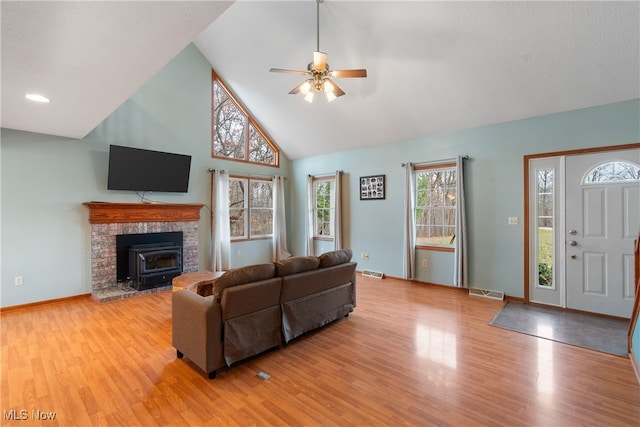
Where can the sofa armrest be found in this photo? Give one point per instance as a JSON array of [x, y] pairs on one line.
[[197, 330]]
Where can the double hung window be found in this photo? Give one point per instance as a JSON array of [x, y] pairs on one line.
[[324, 198], [250, 208], [435, 210]]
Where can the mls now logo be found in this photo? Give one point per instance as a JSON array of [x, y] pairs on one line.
[[23, 414]]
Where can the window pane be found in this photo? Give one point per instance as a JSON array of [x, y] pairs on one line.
[[259, 150], [237, 222], [545, 221], [261, 222], [261, 194], [228, 125], [237, 207], [614, 172], [236, 194]]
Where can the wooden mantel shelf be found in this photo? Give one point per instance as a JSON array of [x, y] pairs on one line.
[[107, 213]]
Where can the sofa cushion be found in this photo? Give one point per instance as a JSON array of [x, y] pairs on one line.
[[340, 256], [242, 275], [297, 264]]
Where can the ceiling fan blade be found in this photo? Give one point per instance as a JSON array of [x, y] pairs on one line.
[[295, 90], [282, 70], [348, 73], [337, 91], [319, 60]]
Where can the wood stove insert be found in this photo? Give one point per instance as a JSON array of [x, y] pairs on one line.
[[148, 260]]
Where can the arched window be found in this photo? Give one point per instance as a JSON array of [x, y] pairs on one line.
[[615, 171]]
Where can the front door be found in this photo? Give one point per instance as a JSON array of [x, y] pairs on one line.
[[602, 220]]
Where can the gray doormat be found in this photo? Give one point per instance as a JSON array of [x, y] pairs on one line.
[[582, 330]]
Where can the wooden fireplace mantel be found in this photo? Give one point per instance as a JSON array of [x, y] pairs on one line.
[[107, 213]]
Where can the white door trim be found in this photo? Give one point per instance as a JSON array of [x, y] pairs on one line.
[[527, 210]]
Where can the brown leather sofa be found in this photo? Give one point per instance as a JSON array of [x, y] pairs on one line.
[[251, 309]]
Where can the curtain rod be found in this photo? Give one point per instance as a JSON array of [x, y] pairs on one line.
[[435, 162], [326, 174], [244, 173]]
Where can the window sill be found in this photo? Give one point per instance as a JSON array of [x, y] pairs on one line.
[[436, 248], [250, 239]]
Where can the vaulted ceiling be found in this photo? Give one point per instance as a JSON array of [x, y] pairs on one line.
[[433, 67]]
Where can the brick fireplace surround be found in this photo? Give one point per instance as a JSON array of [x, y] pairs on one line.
[[110, 219]]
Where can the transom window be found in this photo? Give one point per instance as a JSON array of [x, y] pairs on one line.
[[236, 135], [613, 172], [250, 208], [324, 192], [436, 205]]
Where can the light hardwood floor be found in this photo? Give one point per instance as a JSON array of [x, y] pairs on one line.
[[410, 354]]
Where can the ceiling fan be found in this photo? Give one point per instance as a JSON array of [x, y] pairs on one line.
[[319, 73]]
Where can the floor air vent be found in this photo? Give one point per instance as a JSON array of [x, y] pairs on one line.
[[477, 292], [374, 274]]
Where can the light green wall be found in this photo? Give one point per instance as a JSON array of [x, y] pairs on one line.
[[45, 180], [494, 190]]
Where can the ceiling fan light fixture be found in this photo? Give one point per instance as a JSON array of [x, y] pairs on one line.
[[327, 86], [320, 72], [305, 87]]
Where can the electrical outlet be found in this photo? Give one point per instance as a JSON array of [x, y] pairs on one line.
[[19, 281], [424, 263], [513, 220]]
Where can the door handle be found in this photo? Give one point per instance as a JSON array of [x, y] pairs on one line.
[[573, 243], [573, 232]]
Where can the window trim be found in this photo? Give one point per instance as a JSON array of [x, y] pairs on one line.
[[332, 209], [251, 121], [247, 209], [419, 168]]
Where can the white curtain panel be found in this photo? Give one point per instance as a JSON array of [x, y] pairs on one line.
[[409, 264], [220, 229], [461, 272], [309, 217], [337, 222], [279, 221]]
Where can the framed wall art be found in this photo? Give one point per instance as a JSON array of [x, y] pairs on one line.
[[372, 187]]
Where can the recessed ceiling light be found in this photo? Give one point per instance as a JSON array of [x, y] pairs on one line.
[[36, 98]]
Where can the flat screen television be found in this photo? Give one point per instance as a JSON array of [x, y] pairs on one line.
[[136, 169]]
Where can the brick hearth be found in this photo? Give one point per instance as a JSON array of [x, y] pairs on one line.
[[110, 219]]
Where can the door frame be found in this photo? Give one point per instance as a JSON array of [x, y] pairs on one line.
[[527, 216]]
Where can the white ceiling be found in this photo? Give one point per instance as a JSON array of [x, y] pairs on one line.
[[88, 57], [433, 66]]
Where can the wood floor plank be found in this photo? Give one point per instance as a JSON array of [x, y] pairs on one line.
[[410, 354]]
